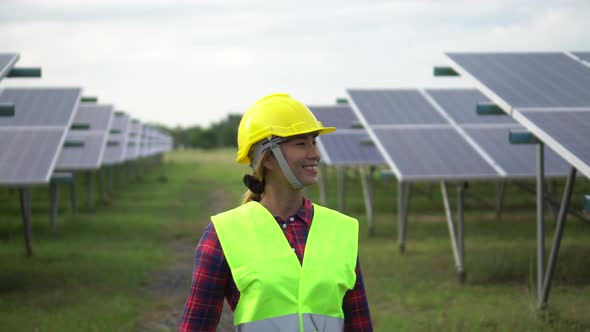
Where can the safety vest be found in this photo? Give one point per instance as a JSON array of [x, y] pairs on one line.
[[277, 292]]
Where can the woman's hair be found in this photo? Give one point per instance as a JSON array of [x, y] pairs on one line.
[[255, 182]]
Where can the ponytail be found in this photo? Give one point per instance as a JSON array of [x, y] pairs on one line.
[[255, 182]]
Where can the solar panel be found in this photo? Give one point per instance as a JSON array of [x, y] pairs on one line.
[[460, 105], [94, 122], [7, 60], [432, 154], [40, 106], [382, 107], [33, 137], [117, 140], [348, 149], [519, 80], [97, 117], [81, 151], [565, 131], [339, 116], [345, 147], [132, 151], [27, 156], [516, 160], [552, 107]]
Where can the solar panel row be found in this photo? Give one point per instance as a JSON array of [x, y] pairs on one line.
[[437, 135], [546, 92]]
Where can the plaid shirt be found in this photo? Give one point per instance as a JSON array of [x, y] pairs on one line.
[[212, 280]]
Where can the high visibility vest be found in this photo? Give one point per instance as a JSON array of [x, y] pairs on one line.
[[277, 292]]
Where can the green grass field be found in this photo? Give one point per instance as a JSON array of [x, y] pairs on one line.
[[111, 268]]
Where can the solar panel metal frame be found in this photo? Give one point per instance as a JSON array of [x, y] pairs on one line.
[[7, 61], [53, 150]]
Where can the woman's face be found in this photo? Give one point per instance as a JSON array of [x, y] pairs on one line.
[[303, 158]]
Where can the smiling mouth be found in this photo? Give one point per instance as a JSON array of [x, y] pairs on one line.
[[312, 167]]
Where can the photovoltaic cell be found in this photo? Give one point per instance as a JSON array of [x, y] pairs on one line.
[[460, 104], [7, 61], [433, 153], [338, 116], [27, 155], [40, 106], [381, 107], [518, 160], [566, 132], [523, 80]]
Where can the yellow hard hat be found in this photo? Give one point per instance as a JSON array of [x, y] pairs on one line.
[[275, 115]]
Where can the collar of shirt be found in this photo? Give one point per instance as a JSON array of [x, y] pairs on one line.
[[305, 213]]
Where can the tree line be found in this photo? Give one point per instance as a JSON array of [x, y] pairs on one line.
[[217, 135]]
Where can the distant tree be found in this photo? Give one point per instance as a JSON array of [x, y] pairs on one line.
[[218, 134]]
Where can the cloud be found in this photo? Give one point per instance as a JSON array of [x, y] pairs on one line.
[[193, 62]]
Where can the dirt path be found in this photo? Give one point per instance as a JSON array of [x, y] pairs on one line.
[[170, 287]]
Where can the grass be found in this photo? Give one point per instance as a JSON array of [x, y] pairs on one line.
[[92, 274]]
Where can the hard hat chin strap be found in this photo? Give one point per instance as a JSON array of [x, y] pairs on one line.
[[273, 144]]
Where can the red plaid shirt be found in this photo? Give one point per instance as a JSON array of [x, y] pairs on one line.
[[212, 280]]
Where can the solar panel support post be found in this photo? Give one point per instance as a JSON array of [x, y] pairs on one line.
[[367, 186], [101, 191], [560, 225], [73, 199], [525, 137], [341, 188], [322, 184], [54, 198], [552, 196], [460, 229], [540, 220], [25, 205], [500, 189], [110, 180], [403, 198], [451, 225], [6, 109], [89, 188], [24, 72]]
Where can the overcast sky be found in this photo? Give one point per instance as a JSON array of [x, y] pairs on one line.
[[193, 62]]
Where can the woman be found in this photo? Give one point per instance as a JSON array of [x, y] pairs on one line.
[[282, 263]]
